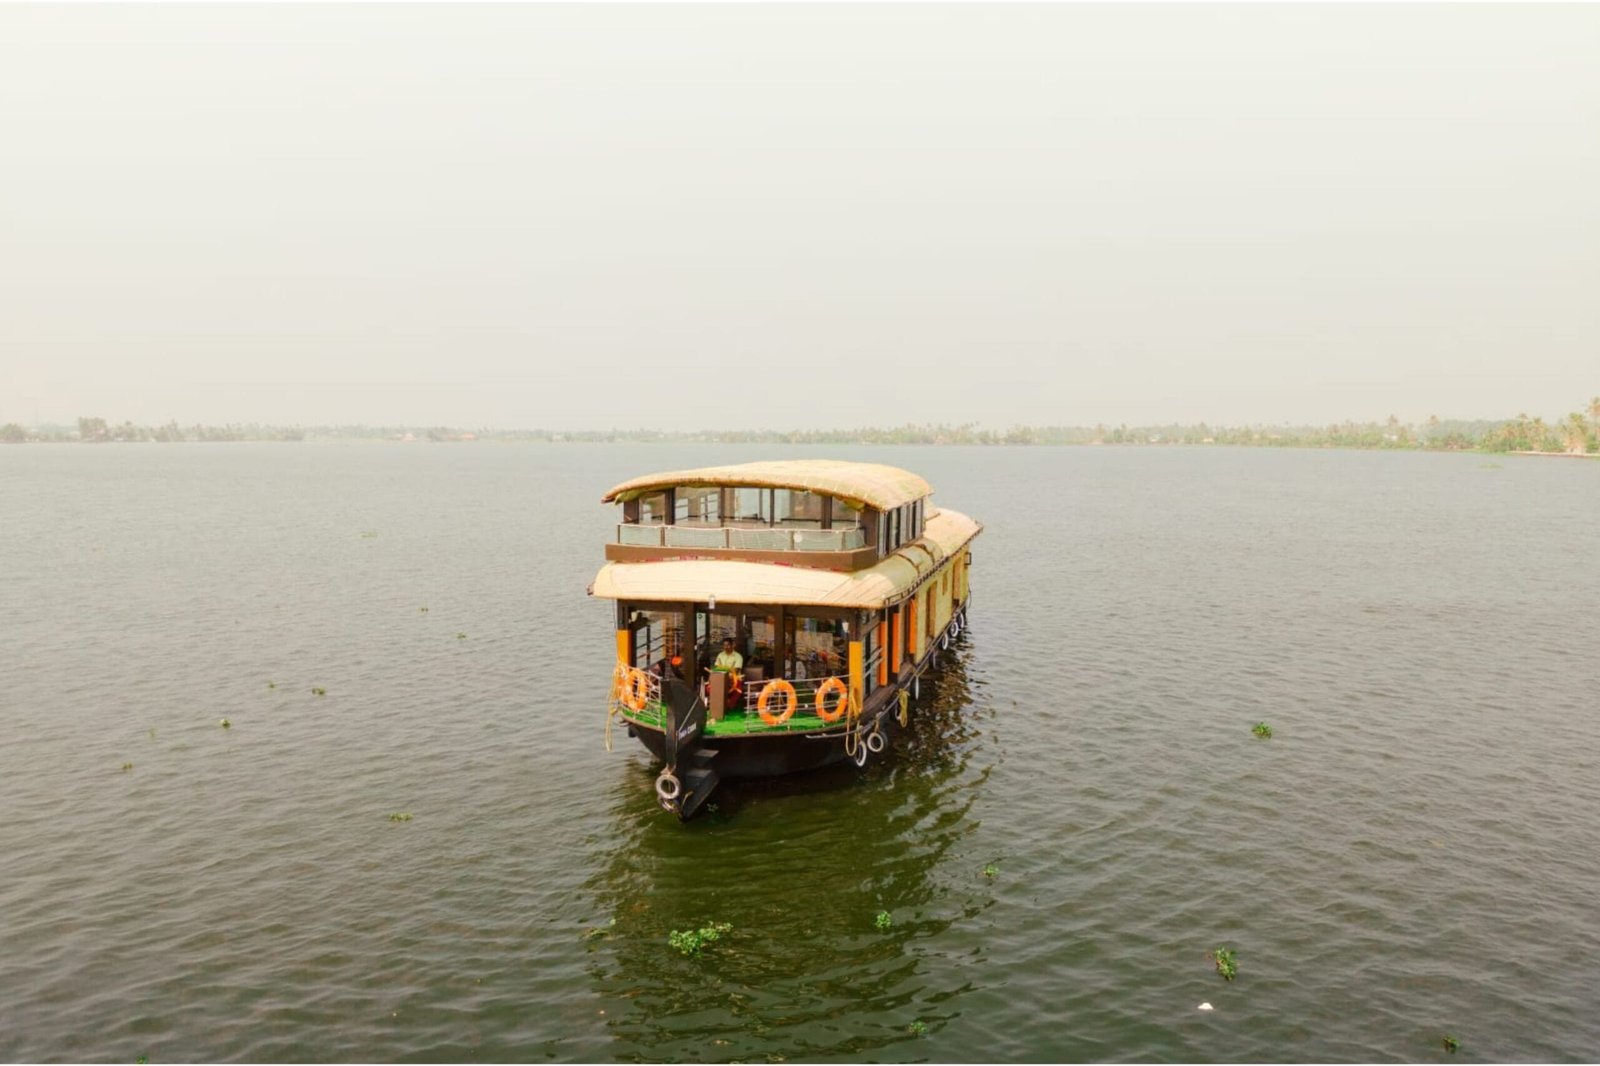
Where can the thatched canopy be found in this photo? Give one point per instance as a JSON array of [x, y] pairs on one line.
[[873, 484]]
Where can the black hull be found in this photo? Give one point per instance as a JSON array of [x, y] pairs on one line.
[[751, 757]]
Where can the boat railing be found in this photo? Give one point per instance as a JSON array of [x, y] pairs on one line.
[[805, 695], [621, 691], [738, 538]]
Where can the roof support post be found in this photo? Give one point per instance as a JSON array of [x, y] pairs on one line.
[[780, 647], [857, 691]]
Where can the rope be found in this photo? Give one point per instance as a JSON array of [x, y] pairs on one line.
[[614, 705], [852, 729]]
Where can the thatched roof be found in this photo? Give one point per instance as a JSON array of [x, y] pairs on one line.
[[872, 484], [731, 581]]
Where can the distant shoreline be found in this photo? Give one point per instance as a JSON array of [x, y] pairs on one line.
[[558, 441], [1575, 436]]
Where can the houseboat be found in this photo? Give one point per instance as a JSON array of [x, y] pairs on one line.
[[773, 617]]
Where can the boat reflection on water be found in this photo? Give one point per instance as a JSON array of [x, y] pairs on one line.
[[801, 868]]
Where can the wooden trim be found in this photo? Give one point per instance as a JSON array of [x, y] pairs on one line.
[[836, 614], [856, 559]]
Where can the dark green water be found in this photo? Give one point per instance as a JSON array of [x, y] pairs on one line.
[[1416, 852]]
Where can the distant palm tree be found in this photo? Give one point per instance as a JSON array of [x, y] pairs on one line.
[[1577, 434]]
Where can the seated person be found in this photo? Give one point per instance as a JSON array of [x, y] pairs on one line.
[[728, 660], [731, 663]]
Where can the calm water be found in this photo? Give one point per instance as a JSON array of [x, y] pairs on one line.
[[1416, 852]]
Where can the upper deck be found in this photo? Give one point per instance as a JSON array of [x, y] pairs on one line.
[[821, 513]]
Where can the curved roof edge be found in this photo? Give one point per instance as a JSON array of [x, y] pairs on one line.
[[872, 484], [695, 580]]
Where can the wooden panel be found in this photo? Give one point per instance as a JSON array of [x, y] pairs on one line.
[[859, 559]]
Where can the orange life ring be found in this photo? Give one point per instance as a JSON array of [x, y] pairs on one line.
[[789, 702], [833, 684], [635, 688]]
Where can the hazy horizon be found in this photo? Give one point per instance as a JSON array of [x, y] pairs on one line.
[[740, 217]]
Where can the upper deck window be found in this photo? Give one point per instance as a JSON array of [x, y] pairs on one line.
[[653, 509], [795, 507], [750, 505], [698, 507]]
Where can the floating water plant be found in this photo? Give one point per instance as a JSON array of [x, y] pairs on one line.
[[224, 723], [368, 534], [127, 766], [1451, 1044], [400, 816], [883, 921], [597, 931], [1227, 965], [918, 1028], [991, 870], [319, 692], [690, 941], [1262, 730], [152, 732], [272, 684], [422, 610], [461, 636]]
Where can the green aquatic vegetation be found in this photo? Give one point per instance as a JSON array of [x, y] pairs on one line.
[[1227, 965], [400, 816], [595, 932], [368, 534], [141, 1060], [152, 732], [422, 610], [127, 766], [1451, 1044], [224, 723], [991, 870], [690, 941], [1262, 730], [319, 692], [461, 636], [883, 921], [918, 1028], [272, 684]]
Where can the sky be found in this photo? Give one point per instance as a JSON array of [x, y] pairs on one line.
[[753, 216]]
